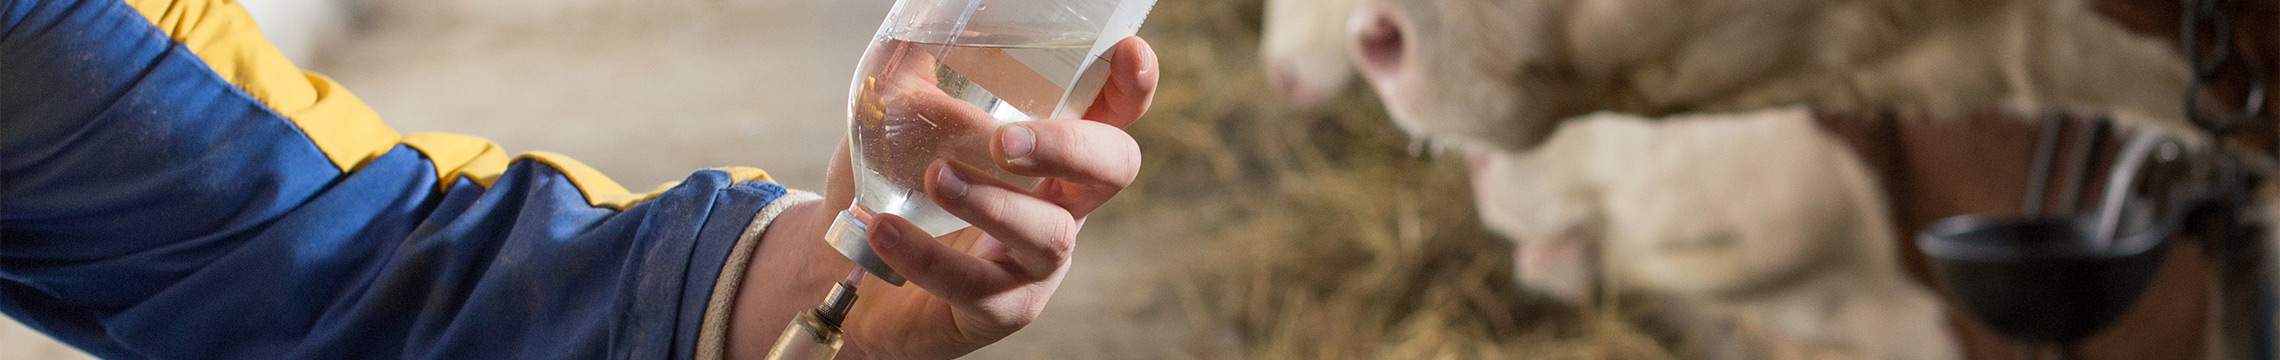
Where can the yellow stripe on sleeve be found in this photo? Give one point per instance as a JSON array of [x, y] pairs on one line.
[[602, 192], [482, 161], [458, 155], [599, 189], [224, 36]]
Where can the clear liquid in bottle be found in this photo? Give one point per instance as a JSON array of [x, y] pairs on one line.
[[914, 102]]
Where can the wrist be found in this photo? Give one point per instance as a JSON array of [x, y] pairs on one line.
[[792, 271]]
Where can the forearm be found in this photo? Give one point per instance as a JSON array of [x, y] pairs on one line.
[[791, 271]]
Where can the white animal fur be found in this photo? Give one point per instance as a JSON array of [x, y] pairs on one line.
[[1303, 45], [1504, 72], [1706, 216], [1749, 217]]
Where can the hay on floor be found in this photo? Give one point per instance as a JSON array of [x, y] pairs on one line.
[[1332, 238]]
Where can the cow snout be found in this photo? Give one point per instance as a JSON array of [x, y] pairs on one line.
[[1287, 82]]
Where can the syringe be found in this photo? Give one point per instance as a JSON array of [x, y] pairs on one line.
[[814, 335]]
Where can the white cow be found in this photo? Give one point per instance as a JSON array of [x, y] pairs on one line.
[[1759, 224]]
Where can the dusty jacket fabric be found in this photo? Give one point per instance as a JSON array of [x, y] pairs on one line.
[[171, 187]]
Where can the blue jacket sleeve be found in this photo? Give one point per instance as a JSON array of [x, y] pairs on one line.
[[166, 192]]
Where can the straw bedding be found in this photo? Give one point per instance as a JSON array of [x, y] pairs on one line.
[[1324, 233]]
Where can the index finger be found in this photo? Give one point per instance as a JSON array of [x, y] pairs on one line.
[[1131, 84]]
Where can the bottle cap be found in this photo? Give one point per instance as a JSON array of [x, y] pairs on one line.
[[853, 239]]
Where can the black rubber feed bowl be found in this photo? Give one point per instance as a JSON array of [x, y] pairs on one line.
[[2041, 280]]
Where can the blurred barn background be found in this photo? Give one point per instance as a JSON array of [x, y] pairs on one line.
[[1256, 231]]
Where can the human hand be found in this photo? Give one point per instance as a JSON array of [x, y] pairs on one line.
[[978, 285]]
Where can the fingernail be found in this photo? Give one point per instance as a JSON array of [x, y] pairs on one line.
[[1132, 85], [887, 236], [1147, 65], [952, 183], [1017, 141]]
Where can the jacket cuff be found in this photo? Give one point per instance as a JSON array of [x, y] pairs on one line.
[[712, 336]]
